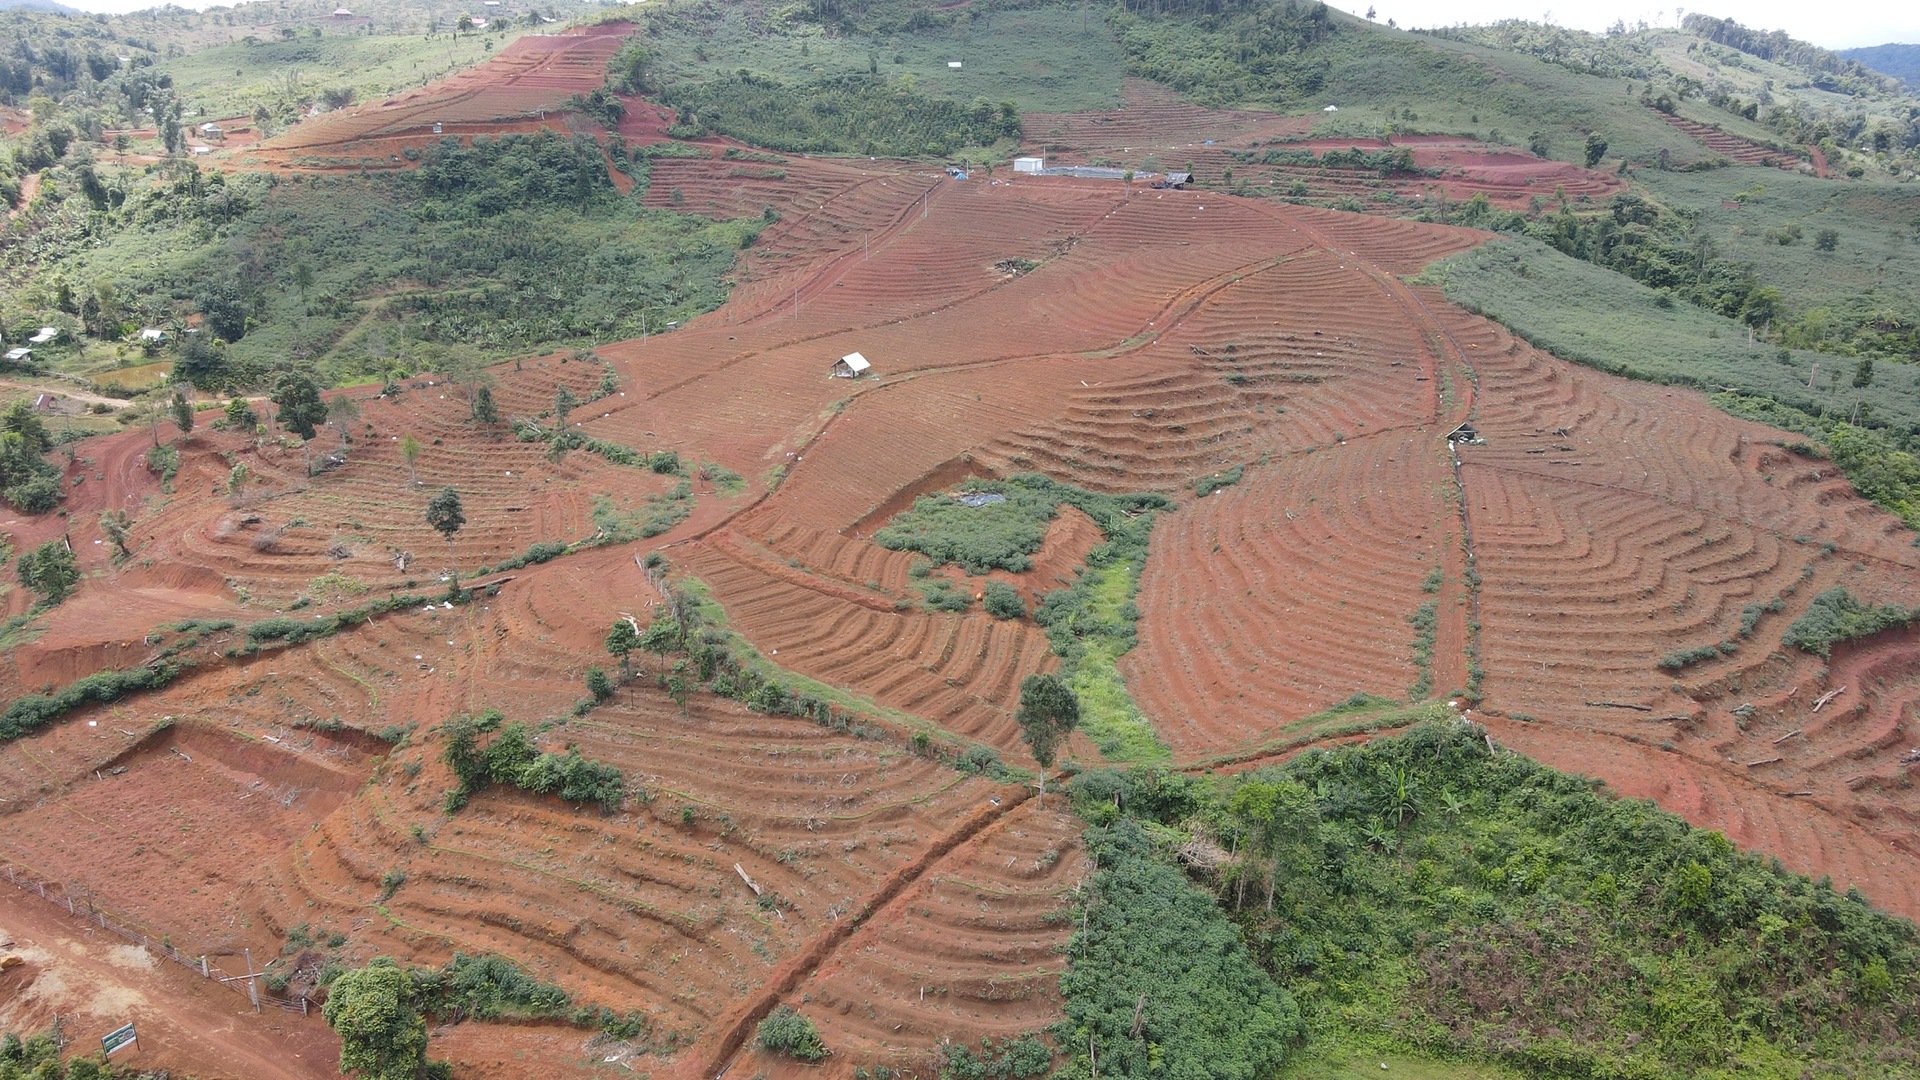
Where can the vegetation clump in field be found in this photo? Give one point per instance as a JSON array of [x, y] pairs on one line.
[[998, 524], [1426, 893], [785, 1031], [511, 758], [849, 114], [1159, 981], [380, 1010], [1835, 616]]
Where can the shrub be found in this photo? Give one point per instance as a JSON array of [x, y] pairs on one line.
[[598, 684], [49, 570], [1002, 601], [785, 1031]]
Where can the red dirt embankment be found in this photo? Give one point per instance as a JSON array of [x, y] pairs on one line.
[[514, 90]]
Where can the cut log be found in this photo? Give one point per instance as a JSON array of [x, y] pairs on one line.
[[1787, 736], [1619, 705], [745, 878], [1764, 761], [1826, 697]]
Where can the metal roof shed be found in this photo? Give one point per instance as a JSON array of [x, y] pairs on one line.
[[850, 366]]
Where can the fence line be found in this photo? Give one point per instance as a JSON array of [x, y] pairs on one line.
[[81, 906]]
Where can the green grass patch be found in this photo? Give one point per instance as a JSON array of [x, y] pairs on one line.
[[233, 80], [1108, 714], [1838, 300], [1385, 79], [1337, 1059]]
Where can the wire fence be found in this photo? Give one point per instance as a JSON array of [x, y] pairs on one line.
[[81, 905]]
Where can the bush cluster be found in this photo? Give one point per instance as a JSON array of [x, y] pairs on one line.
[[785, 1031], [1835, 616], [512, 759]]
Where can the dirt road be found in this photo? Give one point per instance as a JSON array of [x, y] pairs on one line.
[[95, 981]]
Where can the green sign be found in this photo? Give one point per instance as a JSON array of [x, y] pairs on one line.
[[118, 1038]]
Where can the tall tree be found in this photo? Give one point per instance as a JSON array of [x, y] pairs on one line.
[[301, 408], [154, 406], [115, 523], [444, 514], [342, 411], [1596, 148], [298, 400], [484, 410], [621, 641], [1049, 712], [182, 412], [49, 570]]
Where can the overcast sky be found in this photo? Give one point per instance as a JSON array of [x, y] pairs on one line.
[[1842, 24], [1838, 24]]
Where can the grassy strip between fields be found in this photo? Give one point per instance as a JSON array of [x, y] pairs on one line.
[[1108, 715]]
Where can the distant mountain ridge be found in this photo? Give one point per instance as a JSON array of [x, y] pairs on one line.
[[1900, 61], [40, 5]]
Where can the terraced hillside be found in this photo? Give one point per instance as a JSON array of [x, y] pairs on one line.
[[1560, 570]]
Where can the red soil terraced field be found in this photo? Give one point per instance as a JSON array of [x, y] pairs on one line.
[[1214, 144], [1734, 147], [1118, 343], [514, 90]]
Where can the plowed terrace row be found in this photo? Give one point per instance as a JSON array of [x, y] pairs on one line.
[[1157, 339]]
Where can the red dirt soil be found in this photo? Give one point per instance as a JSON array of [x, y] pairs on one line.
[[1214, 145], [1157, 339], [515, 90]]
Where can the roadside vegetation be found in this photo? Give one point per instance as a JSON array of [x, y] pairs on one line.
[[1423, 895], [380, 1011]]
